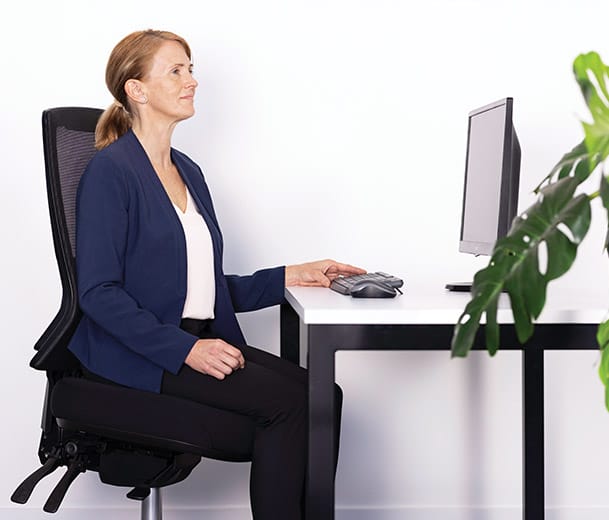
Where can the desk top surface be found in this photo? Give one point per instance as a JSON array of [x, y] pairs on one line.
[[435, 305]]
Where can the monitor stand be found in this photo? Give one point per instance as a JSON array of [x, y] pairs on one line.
[[459, 286], [464, 287]]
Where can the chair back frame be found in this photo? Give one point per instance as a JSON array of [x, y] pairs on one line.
[[52, 353]]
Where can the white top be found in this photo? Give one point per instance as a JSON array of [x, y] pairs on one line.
[[432, 304], [200, 280]]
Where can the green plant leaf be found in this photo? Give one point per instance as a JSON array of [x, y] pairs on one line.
[[602, 338], [578, 161], [560, 220], [591, 75], [604, 192], [492, 327]]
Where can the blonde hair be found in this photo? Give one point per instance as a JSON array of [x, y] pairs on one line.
[[130, 59]]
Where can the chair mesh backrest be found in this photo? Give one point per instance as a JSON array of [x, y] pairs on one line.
[[69, 144], [74, 150]]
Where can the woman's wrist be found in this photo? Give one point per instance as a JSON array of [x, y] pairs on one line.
[[290, 276]]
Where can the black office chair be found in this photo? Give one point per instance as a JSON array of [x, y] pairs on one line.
[[131, 438]]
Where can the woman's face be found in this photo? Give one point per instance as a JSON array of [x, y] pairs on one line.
[[170, 86]]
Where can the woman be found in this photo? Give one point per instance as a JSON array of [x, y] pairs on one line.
[[158, 311]]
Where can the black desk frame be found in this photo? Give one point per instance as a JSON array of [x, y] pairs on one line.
[[325, 339]]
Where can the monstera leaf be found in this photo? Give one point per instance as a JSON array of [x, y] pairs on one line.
[[604, 193], [591, 75], [602, 337], [556, 223]]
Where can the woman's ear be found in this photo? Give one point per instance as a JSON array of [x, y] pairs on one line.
[[135, 91]]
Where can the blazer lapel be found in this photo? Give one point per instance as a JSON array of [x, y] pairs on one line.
[[202, 200]]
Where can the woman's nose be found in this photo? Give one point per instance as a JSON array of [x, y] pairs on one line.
[[192, 82]]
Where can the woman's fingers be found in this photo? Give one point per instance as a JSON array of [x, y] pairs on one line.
[[215, 358], [230, 360], [319, 273]]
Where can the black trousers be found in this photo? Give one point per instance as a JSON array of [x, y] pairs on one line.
[[272, 392]]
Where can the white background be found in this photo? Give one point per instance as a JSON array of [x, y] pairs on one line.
[[328, 129]]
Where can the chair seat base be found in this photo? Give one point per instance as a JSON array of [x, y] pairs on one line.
[[150, 419], [117, 463]]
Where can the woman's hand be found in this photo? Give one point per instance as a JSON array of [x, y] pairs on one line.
[[320, 273], [215, 358]]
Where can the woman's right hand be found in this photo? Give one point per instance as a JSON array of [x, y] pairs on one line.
[[215, 358]]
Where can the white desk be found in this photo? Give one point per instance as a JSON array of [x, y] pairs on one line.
[[423, 319]]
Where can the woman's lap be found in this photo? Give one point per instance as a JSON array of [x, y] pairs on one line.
[[266, 385]]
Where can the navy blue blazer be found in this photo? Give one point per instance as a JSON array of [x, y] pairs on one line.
[[131, 269]]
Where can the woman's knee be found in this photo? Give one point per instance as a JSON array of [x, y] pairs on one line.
[[291, 399]]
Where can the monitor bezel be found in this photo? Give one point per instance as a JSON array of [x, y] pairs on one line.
[[510, 174]]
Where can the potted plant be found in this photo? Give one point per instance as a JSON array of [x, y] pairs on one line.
[[558, 221]]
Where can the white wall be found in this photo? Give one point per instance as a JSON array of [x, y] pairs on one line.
[[336, 129]]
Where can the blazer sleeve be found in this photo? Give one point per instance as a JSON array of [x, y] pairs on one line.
[[101, 242], [262, 289]]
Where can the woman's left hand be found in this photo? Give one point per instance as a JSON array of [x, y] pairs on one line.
[[318, 274]]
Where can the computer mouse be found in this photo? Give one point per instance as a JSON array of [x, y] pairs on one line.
[[372, 289]]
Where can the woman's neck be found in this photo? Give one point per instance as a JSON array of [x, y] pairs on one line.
[[156, 141]]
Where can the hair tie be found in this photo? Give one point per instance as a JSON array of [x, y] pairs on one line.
[[118, 104]]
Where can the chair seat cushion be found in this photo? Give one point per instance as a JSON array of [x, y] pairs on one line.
[[151, 419]]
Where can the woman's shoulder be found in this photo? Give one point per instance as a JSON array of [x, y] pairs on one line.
[[103, 164], [109, 166], [118, 149], [117, 157]]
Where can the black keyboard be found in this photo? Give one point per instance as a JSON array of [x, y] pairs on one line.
[[343, 284]]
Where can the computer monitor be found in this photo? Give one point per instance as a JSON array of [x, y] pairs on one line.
[[492, 173]]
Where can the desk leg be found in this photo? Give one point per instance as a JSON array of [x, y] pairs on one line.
[[290, 334], [320, 469], [533, 434]]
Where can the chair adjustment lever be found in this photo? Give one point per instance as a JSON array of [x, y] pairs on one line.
[[24, 491], [138, 493], [75, 468]]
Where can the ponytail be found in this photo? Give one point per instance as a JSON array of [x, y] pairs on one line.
[[114, 122]]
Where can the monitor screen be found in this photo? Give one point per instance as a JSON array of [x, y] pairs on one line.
[[492, 171]]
